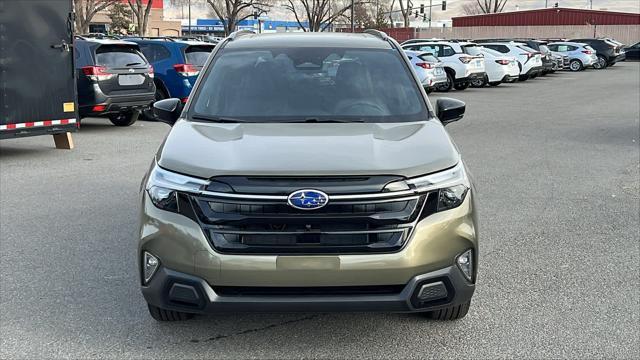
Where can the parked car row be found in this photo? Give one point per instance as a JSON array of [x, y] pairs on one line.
[[479, 62], [120, 78]]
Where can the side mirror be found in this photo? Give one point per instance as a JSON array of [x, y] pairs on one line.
[[449, 110], [167, 110]]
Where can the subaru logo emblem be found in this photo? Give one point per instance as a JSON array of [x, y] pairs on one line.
[[308, 199], [131, 70]]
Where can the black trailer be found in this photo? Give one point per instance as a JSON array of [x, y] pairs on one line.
[[37, 76]]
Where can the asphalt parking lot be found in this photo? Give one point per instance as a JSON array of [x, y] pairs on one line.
[[556, 166]]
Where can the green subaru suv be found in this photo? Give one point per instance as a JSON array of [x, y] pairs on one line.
[[307, 172]]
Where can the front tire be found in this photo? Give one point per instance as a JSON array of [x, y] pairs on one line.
[[455, 312], [601, 63], [576, 65], [124, 118], [461, 86], [147, 114], [167, 315], [446, 87], [478, 83]]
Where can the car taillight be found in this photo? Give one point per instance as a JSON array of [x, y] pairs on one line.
[[588, 52], [186, 69], [503, 62], [464, 60], [425, 65], [151, 71], [184, 100], [96, 73]]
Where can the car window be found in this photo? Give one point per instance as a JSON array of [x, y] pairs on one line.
[[197, 55], [433, 48], [155, 52], [447, 51], [544, 48], [115, 56], [472, 50], [588, 47], [500, 48], [526, 48], [572, 48], [294, 84], [492, 52]]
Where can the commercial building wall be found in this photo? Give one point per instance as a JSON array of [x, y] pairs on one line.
[[549, 17], [628, 34]]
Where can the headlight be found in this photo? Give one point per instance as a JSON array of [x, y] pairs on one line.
[[163, 186], [452, 185]]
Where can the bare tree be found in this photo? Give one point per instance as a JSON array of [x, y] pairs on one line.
[[141, 14], [85, 11], [405, 10], [491, 6], [471, 8], [231, 12], [319, 13]]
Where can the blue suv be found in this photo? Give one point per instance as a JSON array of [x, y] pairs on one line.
[[176, 63]]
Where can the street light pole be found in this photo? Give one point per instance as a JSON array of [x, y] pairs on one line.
[[189, 17], [430, 6]]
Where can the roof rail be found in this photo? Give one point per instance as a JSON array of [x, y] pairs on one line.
[[98, 36], [377, 33], [239, 33]]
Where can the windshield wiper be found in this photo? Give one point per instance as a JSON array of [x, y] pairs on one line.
[[133, 63], [218, 119]]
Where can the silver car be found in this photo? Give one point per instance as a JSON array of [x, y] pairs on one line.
[[580, 55], [429, 68]]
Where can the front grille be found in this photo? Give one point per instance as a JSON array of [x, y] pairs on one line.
[[248, 225]]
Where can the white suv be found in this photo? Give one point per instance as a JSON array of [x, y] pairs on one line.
[[461, 68], [529, 60]]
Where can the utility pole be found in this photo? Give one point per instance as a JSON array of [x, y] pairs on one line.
[[546, 3], [353, 25], [430, 6], [189, 17]]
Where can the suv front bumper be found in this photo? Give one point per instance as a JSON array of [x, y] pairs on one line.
[[174, 290], [187, 258]]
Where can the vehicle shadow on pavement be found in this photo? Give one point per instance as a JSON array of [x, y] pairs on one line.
[[27, 151]]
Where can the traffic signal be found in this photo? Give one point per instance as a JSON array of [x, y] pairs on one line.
[[556, 5], [424, 17], [416, 14], [444, 5], [421, 8]]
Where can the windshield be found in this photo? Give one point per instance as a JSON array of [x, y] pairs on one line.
[[118, 56], [309, 84], [197, 55]]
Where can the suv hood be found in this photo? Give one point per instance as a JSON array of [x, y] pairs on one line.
[[206, 150]]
